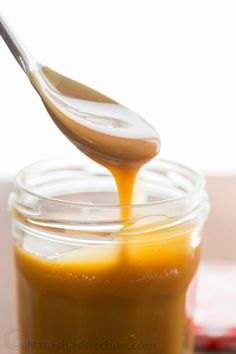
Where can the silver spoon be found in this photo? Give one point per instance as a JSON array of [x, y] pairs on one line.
[[103, 129]]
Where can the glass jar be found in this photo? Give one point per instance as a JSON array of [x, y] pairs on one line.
[[88, 281]]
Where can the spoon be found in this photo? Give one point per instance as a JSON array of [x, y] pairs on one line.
[[103, 129]]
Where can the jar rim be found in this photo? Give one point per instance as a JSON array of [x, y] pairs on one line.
[[196, 190]]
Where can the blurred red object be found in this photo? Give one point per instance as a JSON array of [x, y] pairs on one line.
[[215, 320]]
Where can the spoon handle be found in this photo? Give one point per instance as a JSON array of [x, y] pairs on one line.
[[18, 50]]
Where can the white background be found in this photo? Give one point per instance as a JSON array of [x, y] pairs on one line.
[[174, 62]]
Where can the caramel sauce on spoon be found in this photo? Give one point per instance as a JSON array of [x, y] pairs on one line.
[[101, 128]]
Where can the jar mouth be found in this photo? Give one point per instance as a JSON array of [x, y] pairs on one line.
[[43, 167], [63, 195]]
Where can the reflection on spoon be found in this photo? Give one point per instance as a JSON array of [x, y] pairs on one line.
[[100, 127]]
